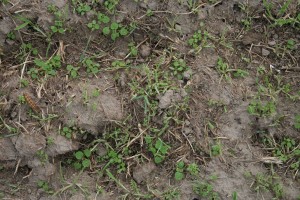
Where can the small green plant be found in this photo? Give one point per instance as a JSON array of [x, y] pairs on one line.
[[291, 44], [11, 35], [179, 174], [115, 159], [59, 20], [178, 67], [111, 5], [280, 17], [50, 66], [159, 149], [193, 169], [268, 183], [115, 30], [215, 149], [22, 99], [133, 49], [297, 122], [67, 132], [91, 66], [261, 109], [73, 71], [205, 190], [225, 71], [82, 159], [42, 155], [44, 185], [82, 8], [49, 140], [199, 40], [118, 64], [93, 25]]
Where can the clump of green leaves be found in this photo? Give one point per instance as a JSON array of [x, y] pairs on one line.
[[132, 49], [225, 71], [11, 35], [278, 16], [111, 5], [116, 160], [73, 71], [115, 30], [91, 66], [81, 8], [179, 174], [48, 67], [193, 169], [67, 132], [178, 67], [297, 122], [268, 183], [58, 23], [82, 159], [205, 190], [258, 108], [42, 155], [118, 64], [215, 149], [25, 49], [199, 40], [44, 185], [158, 148]]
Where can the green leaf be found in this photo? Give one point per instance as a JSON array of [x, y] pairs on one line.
[[106, 31], [123, 31], [87, 153], [86, 163], [179, 176], [79, 155], [158, 159], [114, 36], [77, 165], [180, 164], [114, 26], [105, 19], [21, 26]]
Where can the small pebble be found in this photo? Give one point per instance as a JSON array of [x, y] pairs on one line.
[[265, 52]]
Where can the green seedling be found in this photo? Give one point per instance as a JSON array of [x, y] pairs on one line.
[[91, 66], [199, 40], [21, 99], [93, 25], [82, 8], [297, 122], [215, 149], [193, 169], [102, 18], [11, 35], [261, 109], [178, 67], [24, 82], [205, 190], [82, 159], [118, 64], [133, 49], [268, 183], [281, 17], [115, 30], [67, 132], [117, 160], [48, 67], [50, 140], [44, 185], [179, 174], [27, 22], [25, 50], [159, 149], [73, 71], [42, 155], [111, 5], [225, 71], [57, 27]]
